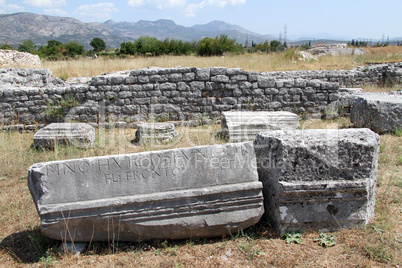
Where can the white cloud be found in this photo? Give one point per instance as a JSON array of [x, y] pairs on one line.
[[159, 4], [192, 9], [135, 3], [16, 7], [100, 11], [56, 12], [45, 3], [10, 7]]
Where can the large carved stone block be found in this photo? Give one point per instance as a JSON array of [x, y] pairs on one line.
[[202, 191], [318, 179], [77, 134], [381, 113], [244, 126]]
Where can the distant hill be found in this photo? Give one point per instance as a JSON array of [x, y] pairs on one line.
[[15, 28]]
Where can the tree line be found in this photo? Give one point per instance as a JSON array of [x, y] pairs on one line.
[[148, 46]]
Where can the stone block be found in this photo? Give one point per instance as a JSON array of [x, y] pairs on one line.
[[155, 133], [318, 179], [381, 113], [205, 191], [244, 126], [77, 134]]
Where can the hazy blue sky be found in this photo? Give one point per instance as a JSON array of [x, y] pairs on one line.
[[348, 18]]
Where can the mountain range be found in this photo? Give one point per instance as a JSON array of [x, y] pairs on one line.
[[17, 27]]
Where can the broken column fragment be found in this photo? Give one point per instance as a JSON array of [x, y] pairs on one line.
[[318, 179], [244, 126], [204, 191]]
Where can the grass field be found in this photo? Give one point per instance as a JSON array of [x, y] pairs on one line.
[[249, 62], [376, 245]]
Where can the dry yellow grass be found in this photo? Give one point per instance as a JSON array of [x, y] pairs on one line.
[[250, 62], [22, 245]]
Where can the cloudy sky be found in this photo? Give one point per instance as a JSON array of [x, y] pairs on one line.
[[345, 18]]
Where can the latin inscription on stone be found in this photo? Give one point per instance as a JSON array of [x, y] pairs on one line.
[[143, 173], [203, 191]]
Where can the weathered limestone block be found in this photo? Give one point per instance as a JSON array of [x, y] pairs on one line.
[[244, 126], [203, 191], [155, 133], [318, 179], [381, 113], [78, 134]]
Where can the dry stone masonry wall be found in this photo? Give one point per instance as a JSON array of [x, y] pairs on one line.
[[29, 96]]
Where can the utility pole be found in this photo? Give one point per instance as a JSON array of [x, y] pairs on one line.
[[285, 34]]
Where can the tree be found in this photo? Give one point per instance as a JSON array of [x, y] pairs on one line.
[[6, 47], [275, 45], [28, 46], [218, 46], [74, 49], [53, 49], [98, 44]]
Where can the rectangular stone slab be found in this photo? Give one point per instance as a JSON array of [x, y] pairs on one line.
[[244, 126], [77, 134], [318, 179], [201, 191]]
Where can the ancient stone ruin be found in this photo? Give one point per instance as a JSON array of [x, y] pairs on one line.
[[318, 179], [13, 58], [204, 191], [155, 133], [27, 96], [244, 126], [76, 134], [380, 112]]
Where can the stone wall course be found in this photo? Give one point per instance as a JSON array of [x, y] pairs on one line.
[[212, 90]]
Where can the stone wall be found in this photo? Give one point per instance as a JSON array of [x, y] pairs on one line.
[[380, 74], [175, 93], [13, 58]]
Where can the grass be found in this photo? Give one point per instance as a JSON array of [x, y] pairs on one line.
[[378, 244], [250, 62], [22, 244]]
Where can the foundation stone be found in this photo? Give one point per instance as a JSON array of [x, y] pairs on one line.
[[77, 134], [204, 191], [318, 179], [244, 126], [381, 113]]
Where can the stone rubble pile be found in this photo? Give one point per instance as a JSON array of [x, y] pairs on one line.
[[13, 58], [19, 78]]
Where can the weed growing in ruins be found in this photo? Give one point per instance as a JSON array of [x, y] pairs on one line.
[[251, 250], [69, 101], [326, 240], [292, 237], [53, 111]]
